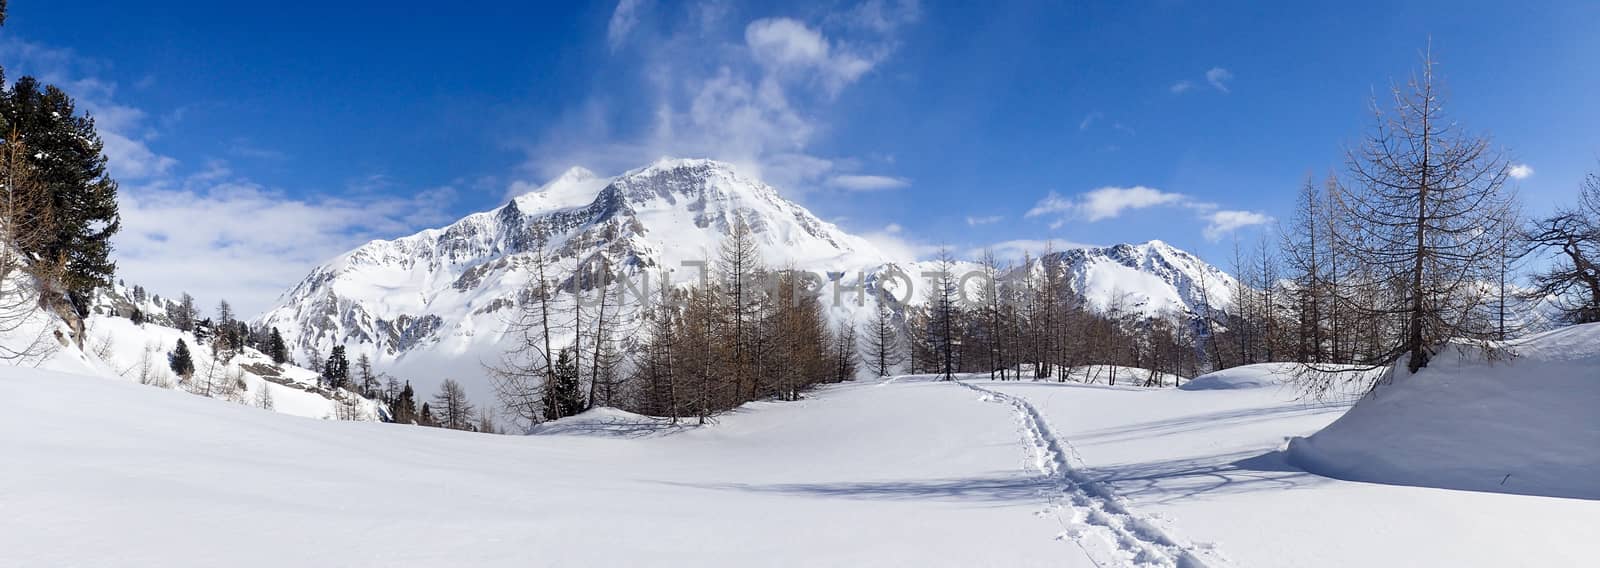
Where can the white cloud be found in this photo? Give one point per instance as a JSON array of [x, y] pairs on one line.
[[623, 20], [129, 159], [987, 220], [781, 42], [210, 232], [1218, 78], [1181, 87], [755, 99], [218, 236], [1052, 203], [1520, 171], [1111, 202], [1220, 223], [122, 128], [867, 182], [1105, 202], [893, 228]]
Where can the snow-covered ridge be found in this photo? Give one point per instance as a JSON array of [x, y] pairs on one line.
[[436, 303], [439, 299], [1150, 278]]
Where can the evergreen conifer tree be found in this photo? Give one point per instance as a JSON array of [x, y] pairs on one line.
[[180, 361], [336, 373], [278, 351], [564, 397], [70, 165]]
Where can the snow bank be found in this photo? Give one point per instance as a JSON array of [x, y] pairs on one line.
[[1243, 377], [1528, 426], [609, 422]]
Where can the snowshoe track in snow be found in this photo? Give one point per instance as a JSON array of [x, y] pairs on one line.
[[1096, 519]]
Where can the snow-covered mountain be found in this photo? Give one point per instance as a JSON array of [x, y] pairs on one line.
[[1150, 278], [436, 304]]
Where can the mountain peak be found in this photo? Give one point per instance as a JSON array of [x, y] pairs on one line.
[[575, 187], [671, 163]]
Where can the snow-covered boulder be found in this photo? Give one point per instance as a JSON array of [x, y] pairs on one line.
[[1528, 425]]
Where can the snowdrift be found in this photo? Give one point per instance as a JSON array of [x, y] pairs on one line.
[[1529, 426], [611, 423], [1243, 377]]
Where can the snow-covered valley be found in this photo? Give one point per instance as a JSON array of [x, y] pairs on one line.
[[908, 471]]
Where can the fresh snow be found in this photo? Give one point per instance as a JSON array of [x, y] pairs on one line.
[[921, 474], [906, 471], [1526, 424], [1206, 469]]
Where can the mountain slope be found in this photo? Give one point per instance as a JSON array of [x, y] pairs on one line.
[[439, 301], [437, 304], [1151, 278]]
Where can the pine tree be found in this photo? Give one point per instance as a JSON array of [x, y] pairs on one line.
[[70, 165], [137, 317], [277, 349], [564, 397], [336, 372], [403, 409], [425, 417], [179, 360]]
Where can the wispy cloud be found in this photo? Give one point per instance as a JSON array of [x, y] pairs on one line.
[[1520, 171], [205, 229], [124, 130], [217, 235], [1104, 203], [1221, 223], [623, 20], [752, 94], [1088, 120], [1112, 202], [1219, 78], [867, 182], [987, 220]]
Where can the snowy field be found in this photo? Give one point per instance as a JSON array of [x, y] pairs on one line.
[[908, 472]]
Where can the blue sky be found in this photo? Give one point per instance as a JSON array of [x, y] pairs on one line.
[[254, 143]]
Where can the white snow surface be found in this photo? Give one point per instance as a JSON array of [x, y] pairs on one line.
[[1527, 425], [1207, 469], [106, 472], [903, 472]]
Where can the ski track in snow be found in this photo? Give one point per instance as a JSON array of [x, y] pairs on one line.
[[1097, 519]]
